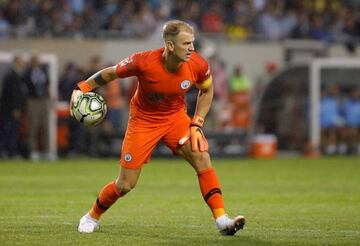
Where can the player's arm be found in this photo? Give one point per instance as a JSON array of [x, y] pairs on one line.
[[126, 68], [205, 97], [98, 79], [204, 100]]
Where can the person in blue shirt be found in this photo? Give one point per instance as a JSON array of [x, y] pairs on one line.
[[350, 133], [330, 119]]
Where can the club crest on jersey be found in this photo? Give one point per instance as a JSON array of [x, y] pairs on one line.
[[127, 157], [185, 84]]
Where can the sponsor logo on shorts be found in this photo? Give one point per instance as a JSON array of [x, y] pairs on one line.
[[185, 84], [127, 157]]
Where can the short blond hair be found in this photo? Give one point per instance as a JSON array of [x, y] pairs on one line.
[[172, 28]]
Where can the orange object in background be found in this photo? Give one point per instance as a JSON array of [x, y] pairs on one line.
[[62, 136], [62, 110], [264, 146], [241, 115], [63, 114], [241, 118], [240, 99]]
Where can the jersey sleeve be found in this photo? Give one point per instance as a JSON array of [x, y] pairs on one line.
[[204, 79], [130, 66]]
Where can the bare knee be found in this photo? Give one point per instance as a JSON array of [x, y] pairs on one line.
[[200, 160], [127, 180], [124, 186]]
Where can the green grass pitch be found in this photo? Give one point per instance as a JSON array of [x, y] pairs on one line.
[[286, 202]]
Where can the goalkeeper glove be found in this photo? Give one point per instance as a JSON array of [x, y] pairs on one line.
[[197, 137], [81, 88]]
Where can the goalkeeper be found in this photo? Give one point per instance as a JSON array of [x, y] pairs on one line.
[[158, 113]]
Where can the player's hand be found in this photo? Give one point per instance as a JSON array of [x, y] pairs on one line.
[[198, 140], [76, 94], [197, 137]]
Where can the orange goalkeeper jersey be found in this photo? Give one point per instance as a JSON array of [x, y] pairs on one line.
[[160, 94]]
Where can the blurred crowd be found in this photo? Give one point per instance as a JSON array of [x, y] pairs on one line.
[[327, 20]]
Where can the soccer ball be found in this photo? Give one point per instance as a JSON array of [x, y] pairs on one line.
[[90, 109]]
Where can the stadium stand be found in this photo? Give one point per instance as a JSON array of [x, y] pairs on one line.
[[274, 20]]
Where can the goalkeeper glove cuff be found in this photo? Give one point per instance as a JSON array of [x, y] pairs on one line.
[[197, 120], [84, 86]]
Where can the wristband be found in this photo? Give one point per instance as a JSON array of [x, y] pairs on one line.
[[84, 86], [197, 120]]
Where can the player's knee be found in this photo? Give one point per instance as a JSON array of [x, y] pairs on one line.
[[124, 187], [201, 160], [200, 156]]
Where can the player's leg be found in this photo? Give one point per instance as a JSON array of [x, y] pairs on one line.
[[139, 142], [124, 183], [108, 195], [211, 190], [208, 181]]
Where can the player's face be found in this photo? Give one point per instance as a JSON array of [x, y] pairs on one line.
[[184, 45]]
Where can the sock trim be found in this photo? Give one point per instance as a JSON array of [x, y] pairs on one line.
[[212, 192], [102, 207], [218, 212]]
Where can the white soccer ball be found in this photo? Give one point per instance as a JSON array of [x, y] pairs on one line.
[[90, 109]]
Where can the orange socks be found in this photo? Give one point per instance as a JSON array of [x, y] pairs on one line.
[[210, 189], [107, 197], [209, 185]]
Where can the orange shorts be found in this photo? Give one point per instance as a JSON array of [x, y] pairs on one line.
[[142, 136]]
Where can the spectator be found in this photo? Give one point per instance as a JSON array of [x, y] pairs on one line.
[[319, 30], [268, 22], [212, 20], [240, 87], [288, 22], [38, 104], [147, 18], [41, 13], [239, 20], [238, 30], [77, 6], [302, 29], [15, 12], [330, 119], [350, 133], [239, 82], [12, 104]]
